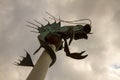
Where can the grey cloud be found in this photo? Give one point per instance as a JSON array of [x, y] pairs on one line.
[[116, 19], [15, 37]]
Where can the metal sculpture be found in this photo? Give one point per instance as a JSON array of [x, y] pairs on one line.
[[57, 35]]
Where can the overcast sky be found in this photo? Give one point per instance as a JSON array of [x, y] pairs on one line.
[[102, 46]]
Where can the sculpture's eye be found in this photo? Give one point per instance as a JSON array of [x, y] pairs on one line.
[[87, 28]]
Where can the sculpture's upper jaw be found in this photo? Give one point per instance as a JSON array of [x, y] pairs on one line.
[[82, 31]]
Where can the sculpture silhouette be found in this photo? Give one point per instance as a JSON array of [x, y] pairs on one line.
[[57, 35]]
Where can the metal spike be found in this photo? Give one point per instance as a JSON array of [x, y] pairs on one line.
[[34, 31], [53, 19], [47, 21], [33, 24], [51, 15], [31, 27], [38, 22], [59, 19]]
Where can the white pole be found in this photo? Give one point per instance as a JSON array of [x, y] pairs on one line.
[[41, 67]]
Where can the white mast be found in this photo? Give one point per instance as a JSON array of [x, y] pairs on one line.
[[41, 67]]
